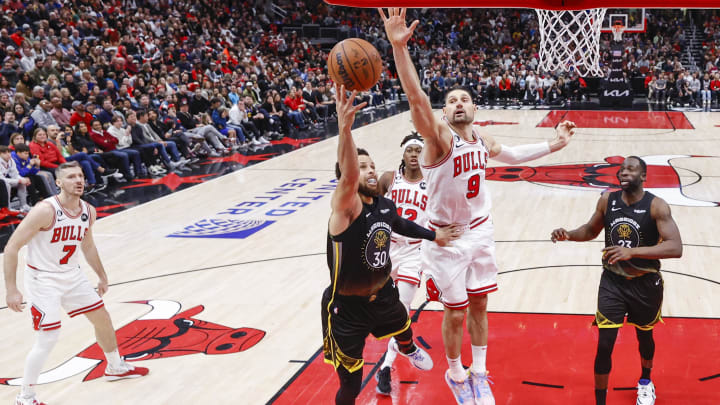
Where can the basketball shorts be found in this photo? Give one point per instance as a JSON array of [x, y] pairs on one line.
[[348, 320], [47, 291], [405, 259], [639, 298], [466, 267]]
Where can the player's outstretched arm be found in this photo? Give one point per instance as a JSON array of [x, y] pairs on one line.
[[345, 203], [524, 153], [41, 216], [588, 231], [398, 33], [442, 236], [91, 255]]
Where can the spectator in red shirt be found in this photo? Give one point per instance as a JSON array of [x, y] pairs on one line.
[[715, 87], [296, 104], [80, 115], [108, 144]]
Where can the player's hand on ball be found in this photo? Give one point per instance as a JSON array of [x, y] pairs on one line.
[[14, 300], [446, 234], [559, 234], [614, 254], [345, 108]]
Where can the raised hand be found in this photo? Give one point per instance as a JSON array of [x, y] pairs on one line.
[[345, 108], [564, 131], [398, 33]]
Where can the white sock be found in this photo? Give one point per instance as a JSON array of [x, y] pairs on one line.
[[390, 355], [457, 372], [36, 358], [479, 354], [113, 359], [407, 293]]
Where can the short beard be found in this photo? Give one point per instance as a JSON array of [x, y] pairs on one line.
[[366, 191], [633, 186], [467, 120]]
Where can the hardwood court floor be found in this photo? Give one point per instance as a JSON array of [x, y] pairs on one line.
[[246, 254]]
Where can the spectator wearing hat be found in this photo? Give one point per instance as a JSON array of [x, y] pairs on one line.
[[80, 114]]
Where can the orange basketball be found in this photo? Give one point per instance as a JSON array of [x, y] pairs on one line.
[[355, 63]]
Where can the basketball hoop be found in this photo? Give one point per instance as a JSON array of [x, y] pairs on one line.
[[617, 31], [570, 40]]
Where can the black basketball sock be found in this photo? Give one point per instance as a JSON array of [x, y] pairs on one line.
[[645, 373], [406, 347], [600, 396]]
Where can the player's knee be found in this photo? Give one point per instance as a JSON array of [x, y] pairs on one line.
[[606, 342], [646, 344], [46, 340], [49, 336], [454, 317], [478, 303], [350, 386], [100, 318]]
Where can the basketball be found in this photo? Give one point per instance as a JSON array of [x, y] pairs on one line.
[[355, 63]]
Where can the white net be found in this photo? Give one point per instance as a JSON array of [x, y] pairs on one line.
[[570, 40]]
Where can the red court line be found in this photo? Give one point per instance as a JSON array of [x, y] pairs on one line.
[[544, 349], [679, 120], [619, 119]]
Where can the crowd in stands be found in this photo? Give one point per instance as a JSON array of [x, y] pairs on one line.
[[136, 88]]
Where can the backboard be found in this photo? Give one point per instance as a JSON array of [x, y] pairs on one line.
[[634, 19]]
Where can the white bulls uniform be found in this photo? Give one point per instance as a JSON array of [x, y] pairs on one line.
[[457, 193], [53, 277], [411, 201]]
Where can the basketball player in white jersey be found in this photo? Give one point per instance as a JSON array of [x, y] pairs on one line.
[[54, 231], [406, 188], [453, 162]]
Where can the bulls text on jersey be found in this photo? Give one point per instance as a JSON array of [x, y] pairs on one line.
[[470, 161], [66, 233], [412, 197]]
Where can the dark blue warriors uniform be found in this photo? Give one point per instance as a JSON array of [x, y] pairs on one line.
[[362, 298], [633, 287]]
